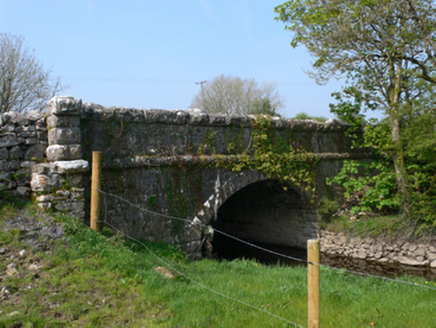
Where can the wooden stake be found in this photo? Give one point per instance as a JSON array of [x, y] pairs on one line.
[[313, 282], [95, 185]]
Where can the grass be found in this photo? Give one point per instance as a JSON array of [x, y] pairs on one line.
[[371, 226], [99, 280]]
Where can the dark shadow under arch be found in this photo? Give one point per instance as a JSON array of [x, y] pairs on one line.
[[263, 213]]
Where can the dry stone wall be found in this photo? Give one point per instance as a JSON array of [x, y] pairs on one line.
[[59, 184], [379, 250], [23, 141]]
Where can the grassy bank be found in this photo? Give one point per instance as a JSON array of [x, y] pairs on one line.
[[372, 226], [98, 280]]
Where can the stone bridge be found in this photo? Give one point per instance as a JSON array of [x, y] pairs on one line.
[[206, 169]]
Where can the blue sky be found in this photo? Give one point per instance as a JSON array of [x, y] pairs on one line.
[[149, 54]]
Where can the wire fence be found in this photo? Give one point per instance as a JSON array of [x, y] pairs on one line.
[[199, 283], [198, 222], [205, 287]]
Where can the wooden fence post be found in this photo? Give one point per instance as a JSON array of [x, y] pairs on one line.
[[95, 185], [313, 282]]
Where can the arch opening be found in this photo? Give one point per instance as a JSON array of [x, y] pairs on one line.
[[265, 213]]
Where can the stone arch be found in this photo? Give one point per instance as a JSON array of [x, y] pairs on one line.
[[226, 185], [274, 214]]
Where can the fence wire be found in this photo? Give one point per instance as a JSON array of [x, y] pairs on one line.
[[197, 282], [265, 249]]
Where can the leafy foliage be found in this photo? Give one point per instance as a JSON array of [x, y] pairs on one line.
[[281, 157], [375, 183], [386, 51], [277, 155]]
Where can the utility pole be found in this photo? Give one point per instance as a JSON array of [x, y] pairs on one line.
[[201, 84]]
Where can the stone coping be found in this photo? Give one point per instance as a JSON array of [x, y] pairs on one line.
[[96, 112]]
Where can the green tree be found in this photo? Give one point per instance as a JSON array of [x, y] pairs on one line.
[[233, 95], [24, 83], [385, 50]]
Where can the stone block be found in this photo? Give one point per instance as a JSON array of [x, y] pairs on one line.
[[42, 168], [12, 165], [218, 120], [30, 141], [25, 128], [10, 141], [4, 153], [181, 118], [7, 128], [74, 180], [20, 119], [36, 151], [71, 167], [8, 117], [45, 183], [63, 121], [75, 152], [64, 105], [42, 135], [132, 115], [34, 115], [200, 119], [26, 131], [41, 127], [16, 153], [63, 152], [408, 261], [420, 251], [64, 136]]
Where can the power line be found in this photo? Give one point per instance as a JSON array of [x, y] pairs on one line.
[[163, 81], [126, 79], [268, 250]]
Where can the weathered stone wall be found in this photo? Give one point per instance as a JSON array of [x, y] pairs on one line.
[[379, 250], [167, 162], [158, 165], [121, 133], [23, 140], [59, 184]]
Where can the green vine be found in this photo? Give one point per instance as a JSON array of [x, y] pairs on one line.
[[278, 155], [275, 154]]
